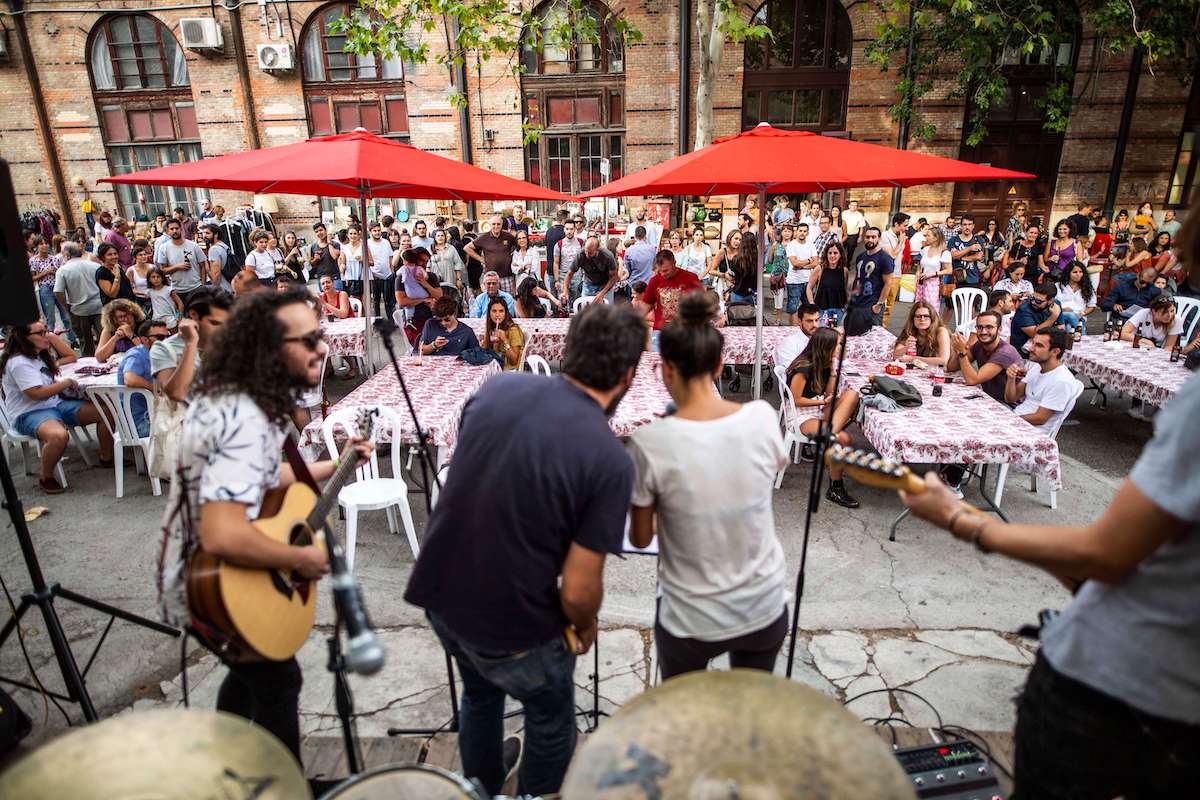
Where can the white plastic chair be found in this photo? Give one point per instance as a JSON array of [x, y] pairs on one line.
[[538, 365], [356, 306], [1187, 309], [311, 400], [115, 403], [9, 437], [1053, 434], [371, 492], [579, 303], [793, 439], [965, 300]]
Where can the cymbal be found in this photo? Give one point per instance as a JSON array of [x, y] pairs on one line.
[[170, 754], [738, 734]]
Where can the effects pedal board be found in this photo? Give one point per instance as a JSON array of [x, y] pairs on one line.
[[950, 771]]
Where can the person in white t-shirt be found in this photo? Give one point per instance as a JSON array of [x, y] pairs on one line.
[[853, 221], [1156, 326], [654, 231], [792, 346], [802, 257], [1045, 392], [260, 260], [934, 266], [704, 486]]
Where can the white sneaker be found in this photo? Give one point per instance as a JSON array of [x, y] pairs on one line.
[[957, 492]]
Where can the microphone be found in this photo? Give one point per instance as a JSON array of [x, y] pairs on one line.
[[384, 326], [364, 653]]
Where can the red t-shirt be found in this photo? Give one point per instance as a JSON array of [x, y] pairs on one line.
[[662, 294]]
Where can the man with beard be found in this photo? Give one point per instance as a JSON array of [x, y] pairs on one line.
[[985, 363], [489, 573], [230, 454]]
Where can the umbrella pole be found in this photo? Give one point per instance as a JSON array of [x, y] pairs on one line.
[[758, 311], [368, 312]]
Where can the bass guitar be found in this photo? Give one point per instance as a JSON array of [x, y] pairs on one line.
[[269, 612]]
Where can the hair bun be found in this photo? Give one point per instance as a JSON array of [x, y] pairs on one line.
[[697, 308]]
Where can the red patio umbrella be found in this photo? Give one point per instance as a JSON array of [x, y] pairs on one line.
[[357, 164], [766, 160]]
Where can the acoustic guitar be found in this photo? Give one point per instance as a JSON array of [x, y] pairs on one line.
[[873, 469], [269, 612]]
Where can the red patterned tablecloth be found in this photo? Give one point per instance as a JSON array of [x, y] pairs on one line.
[[953, 429], [1145, 373], [645, 401], [439, 387], [877, 343], [547, 336], [549, 340], [345, 337]]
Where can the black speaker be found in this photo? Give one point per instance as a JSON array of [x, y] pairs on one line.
[[17, 303]]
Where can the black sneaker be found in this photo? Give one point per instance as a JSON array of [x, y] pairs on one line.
[[839, 495], [807, 453], [513, 746]]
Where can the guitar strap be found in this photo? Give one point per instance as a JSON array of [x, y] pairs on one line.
[[299, 467]]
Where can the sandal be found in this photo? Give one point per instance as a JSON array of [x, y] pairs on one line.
[[51, 485]]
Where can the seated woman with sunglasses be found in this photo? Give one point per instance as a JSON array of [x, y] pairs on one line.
[[32, 397], [443, 334], [925, 336]]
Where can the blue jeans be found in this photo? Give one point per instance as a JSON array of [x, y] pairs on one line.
[[1070, 320], [66, 412], [734, 297], [50, 305], [542, 680], [589, 290]]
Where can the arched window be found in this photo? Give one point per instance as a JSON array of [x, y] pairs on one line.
[[801, 77], [576, 91], [144, 101], [344, 91]]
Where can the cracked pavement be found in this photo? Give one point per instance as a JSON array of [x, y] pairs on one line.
[[925, 613]]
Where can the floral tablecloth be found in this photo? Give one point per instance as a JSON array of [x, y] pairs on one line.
[[1145, 373], [439, 386], [877, 343], [345, 337], [645, 401], [547, 337], [963, 426]]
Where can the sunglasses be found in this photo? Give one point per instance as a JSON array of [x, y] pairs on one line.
[[922, 316], [311, 340], [158, 337]]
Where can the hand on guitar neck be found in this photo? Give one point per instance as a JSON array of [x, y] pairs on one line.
[[875, 470]]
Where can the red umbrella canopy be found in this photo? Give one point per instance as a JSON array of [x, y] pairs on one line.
[[346, 165], [795, 162]]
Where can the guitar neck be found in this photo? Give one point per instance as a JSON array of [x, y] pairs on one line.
[[350, 459]]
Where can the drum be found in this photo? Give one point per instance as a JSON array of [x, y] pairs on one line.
[[406, 782]]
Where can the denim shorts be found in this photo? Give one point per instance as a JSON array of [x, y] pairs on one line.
[[66, 412], [795, 296]]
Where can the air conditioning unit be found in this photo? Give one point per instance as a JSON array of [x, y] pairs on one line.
[[201, 33], [275, 57]]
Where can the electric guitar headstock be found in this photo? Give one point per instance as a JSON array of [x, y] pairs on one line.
[[873, 469]]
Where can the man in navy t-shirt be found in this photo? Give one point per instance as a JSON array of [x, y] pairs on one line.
[[443, 334], [532, 499], [873, 275]]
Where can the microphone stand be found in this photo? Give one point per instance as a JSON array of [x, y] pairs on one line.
[[386, 328], [821, 443]]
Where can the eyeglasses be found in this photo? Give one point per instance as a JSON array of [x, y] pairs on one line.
[[42, 332], [311, 340], [922, 316]]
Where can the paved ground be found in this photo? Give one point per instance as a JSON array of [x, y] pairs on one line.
[[924, 613]]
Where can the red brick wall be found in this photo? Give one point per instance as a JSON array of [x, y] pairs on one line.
[[59, 43]]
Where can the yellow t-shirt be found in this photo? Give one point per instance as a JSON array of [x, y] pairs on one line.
[[516, 340]]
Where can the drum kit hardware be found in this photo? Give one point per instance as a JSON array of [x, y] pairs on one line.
[[777, 739]]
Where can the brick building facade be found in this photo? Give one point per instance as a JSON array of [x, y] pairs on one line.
[[120, 91]]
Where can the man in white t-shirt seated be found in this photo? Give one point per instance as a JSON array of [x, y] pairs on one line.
[[787, 350], [1156, 326], [1046, 392]]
